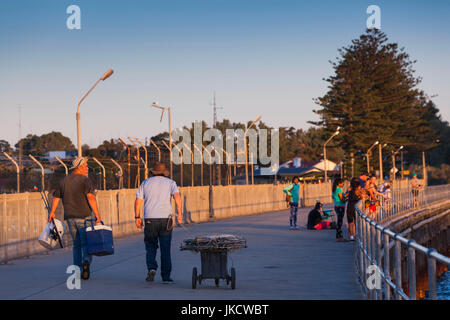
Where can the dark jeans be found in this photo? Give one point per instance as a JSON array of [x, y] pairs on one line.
[[340, 211], [293, 214], [157, 230], [78, 233]]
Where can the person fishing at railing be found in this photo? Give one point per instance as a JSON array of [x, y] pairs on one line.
[[339, 206], [354, 195], [415, 188]]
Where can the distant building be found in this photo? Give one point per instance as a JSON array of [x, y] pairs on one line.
[[50, 156]]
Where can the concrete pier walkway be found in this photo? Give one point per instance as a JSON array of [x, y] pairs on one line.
[[278, 264]]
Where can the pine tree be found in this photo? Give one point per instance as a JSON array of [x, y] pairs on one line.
[[373, 96]]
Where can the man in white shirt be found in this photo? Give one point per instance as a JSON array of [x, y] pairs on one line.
[[156, 192]]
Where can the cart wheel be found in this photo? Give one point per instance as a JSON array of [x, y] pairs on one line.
[[194, 278], [233, 278], [216, 280]]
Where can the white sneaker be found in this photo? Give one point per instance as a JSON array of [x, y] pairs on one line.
[[292, 228], [351, 238]]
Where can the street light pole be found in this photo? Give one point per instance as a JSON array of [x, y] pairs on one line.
[[368, 155], [105, 76], [246, 150], [325, 153], [380, 160], [393, 161], [156, 105]]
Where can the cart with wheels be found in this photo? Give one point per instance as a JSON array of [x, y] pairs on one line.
[[214, 258]]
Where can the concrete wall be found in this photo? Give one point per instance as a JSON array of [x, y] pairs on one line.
[[23, 216]]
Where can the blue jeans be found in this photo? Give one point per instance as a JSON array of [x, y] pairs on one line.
[[78, 233], [293, 214], [157, 230]]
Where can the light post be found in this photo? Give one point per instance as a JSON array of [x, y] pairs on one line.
[[246, 150], [146, 158], [368, 155], [380, 160], [105, 76], [201, 164], [156, 105], [157, 148], [325, 153], [393, 161]]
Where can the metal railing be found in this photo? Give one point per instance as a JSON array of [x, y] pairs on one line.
[[375, 242], [402, 201]]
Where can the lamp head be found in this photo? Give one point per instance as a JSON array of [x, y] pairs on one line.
[[107, 74]]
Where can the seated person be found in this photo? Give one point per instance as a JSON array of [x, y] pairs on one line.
[[315, 218]]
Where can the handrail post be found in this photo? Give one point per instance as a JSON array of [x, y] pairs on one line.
[[17, 170], [432, 294], [387, 270], [379, 293], [42, 171], [411, 270], [398, 267], [63, 164], [104, 173]]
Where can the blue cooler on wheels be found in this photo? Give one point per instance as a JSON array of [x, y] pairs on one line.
[[99, 239]]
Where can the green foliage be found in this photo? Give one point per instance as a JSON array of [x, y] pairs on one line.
[[373, 96], [39, 145]]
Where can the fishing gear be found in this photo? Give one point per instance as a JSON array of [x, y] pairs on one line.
[[53, 230]]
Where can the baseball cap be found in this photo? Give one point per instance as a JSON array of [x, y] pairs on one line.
[[78, 162]]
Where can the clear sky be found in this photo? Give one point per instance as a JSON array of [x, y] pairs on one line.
[[261, 57]]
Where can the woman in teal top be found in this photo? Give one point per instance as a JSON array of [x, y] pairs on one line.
[[293, 192], [339, 206]]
